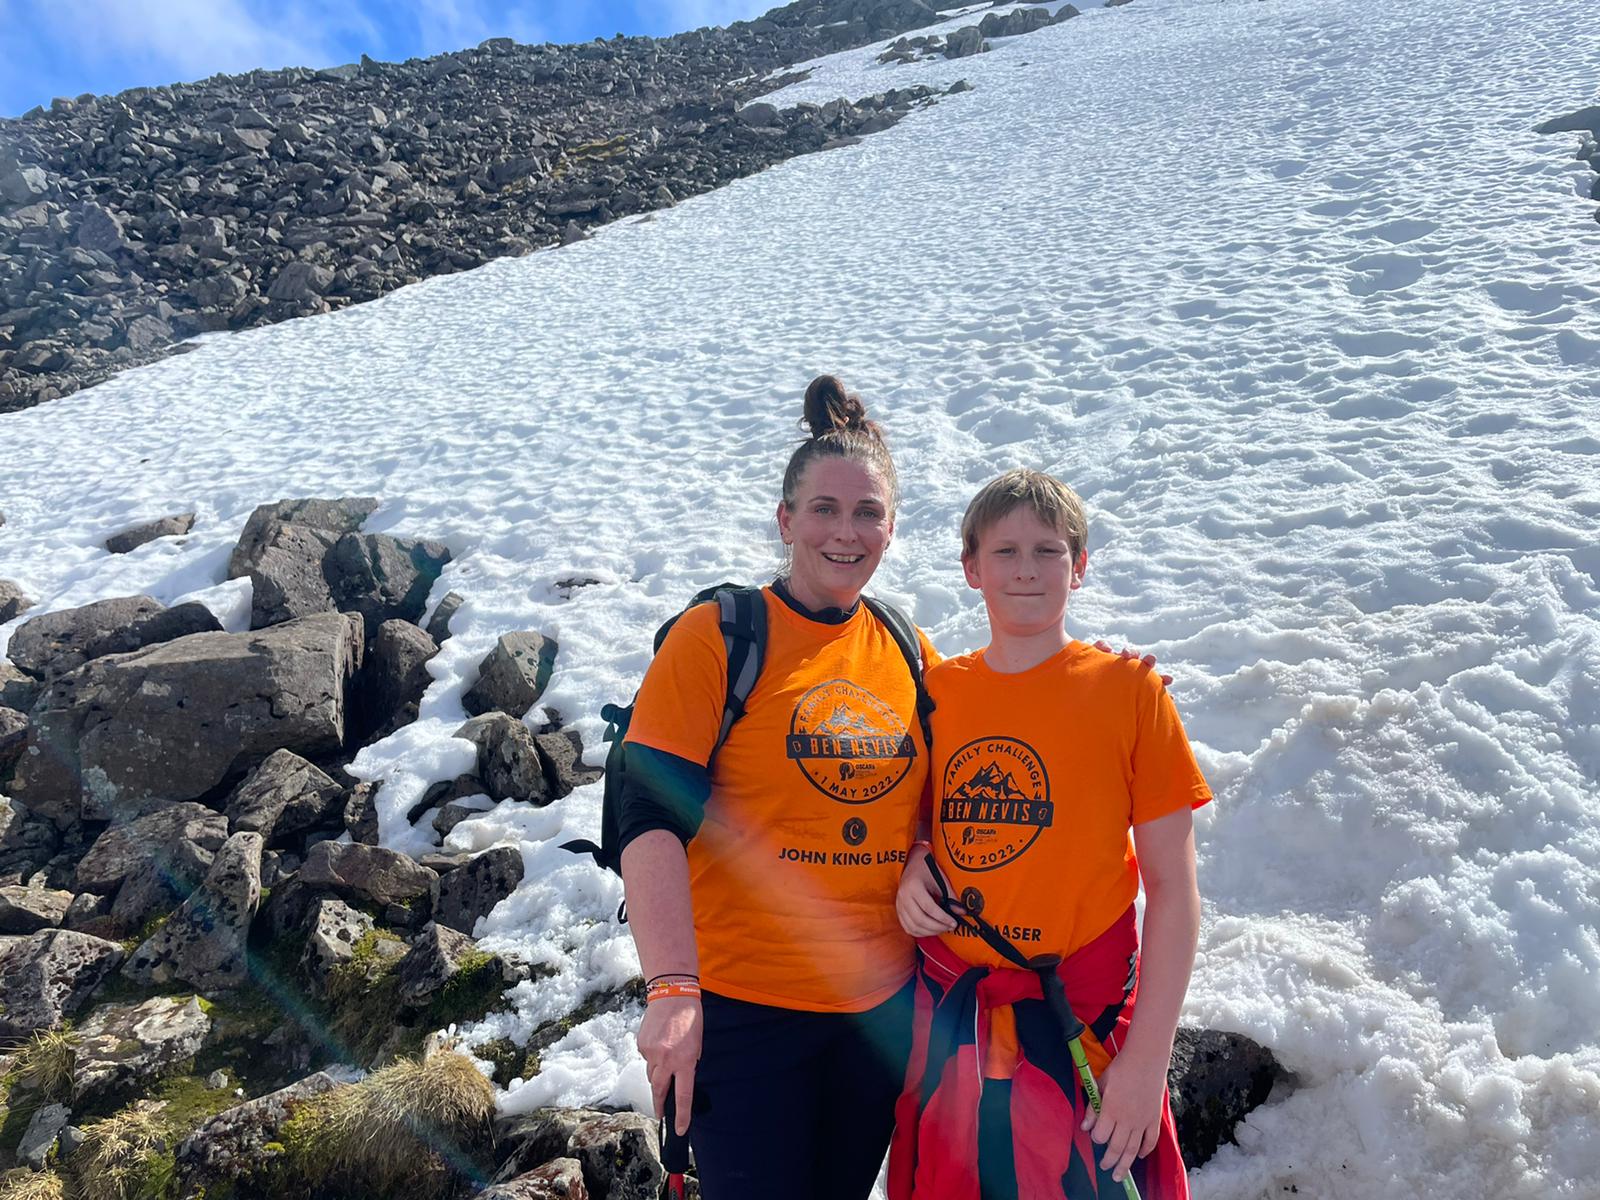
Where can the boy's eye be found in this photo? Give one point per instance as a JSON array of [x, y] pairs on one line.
[[1004, 551], [1052, 551]]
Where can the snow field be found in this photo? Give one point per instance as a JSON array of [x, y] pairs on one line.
[[1292, 295]]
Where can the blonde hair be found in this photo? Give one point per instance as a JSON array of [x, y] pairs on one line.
[[1052, 501]]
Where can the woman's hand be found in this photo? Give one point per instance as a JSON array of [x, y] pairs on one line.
[[669, 1040], [917, 901], [1129, 1119], [1148, 660]]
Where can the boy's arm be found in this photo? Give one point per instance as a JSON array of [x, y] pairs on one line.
[[1135, 1082]]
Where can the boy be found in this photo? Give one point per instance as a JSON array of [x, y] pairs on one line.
[[1047, 755]]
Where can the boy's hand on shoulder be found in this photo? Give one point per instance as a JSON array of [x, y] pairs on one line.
[[917, 901], [1129, 1120], [1148, 660]]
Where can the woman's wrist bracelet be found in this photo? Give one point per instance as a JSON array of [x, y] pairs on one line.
[[667, 975], [664, 991]]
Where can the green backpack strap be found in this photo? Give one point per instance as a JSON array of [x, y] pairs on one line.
[[905, 636]]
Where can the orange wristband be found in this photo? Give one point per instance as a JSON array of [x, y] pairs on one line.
[[661, 991]]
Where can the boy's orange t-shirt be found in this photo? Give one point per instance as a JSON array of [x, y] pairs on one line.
[[1038, 779], [813, 805]]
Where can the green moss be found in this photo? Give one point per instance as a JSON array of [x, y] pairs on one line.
[[190, 1102], [130, 944], [475, 989], [364, 993]]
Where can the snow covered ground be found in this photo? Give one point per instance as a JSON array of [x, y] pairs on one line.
[[1291, 293]]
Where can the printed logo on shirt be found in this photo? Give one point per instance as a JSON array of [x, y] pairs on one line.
[[994, 801], [852, 746]]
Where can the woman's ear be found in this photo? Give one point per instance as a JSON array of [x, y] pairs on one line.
[[783, 524]]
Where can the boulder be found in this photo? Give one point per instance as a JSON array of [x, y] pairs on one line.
[[13, 602], [177, 720], [244, 1139], [132, 539], [48, 977], [335, 930], [964, 42], [1215, 1079], [439, 622], [121, 1045], [1583, 120], [367, 873], [435, 957], [18, 689], [283, 798], [471, 891], [203, 944], [40, 1136], [528, 1140], [392, 680], [337, 517], [558, 1179], [101, 229], [759, 115], [13, 736], [383, 578], [27, 842], [55, 643], [361, 813], [30, 909], [620, 1156], [286, 574], [178, 840], [509, 763], [299, 282], [512, 676], [561, 755]]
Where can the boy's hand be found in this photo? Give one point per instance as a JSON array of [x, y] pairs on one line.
[[1129, 1119], [1148, 660], [917, 901]]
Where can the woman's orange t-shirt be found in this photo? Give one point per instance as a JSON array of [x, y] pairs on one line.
[[813, 804]]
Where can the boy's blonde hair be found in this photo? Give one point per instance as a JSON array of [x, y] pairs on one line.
[[1052, 501]]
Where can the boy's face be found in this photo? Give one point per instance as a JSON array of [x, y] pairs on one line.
[[1025, 570]]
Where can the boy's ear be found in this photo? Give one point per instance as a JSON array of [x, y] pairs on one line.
[[1080, 569], [969, 568]]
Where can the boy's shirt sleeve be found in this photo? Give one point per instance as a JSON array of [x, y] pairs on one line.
[[1165, 774], [679, 706]]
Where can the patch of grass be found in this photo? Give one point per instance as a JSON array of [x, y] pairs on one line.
[[44, 1064], [473, 991], [23, 1184], [126, 1156], [364, 994]]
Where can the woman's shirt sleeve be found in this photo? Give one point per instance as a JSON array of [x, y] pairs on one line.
[[676, 717]]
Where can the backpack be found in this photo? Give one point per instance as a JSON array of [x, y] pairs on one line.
[[744, 634]]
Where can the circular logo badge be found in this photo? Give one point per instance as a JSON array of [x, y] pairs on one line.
[[855, 831], [851, 745], [994, 801], [972, 900]]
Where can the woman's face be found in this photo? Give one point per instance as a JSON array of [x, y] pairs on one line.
[[838, 529]]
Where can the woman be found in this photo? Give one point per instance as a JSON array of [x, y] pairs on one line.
[[761, 887]]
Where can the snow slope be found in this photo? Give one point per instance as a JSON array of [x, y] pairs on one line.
[[1292, 294]]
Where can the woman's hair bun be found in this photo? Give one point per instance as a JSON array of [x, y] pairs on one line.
[[831, 409]]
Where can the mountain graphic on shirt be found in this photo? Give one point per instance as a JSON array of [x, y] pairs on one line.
[[988, 782], [844, 721]]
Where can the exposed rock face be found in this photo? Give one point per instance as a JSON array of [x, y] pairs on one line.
[[367, 873], [49, 976], [383, 578], [57, 642], [132, 539], [435, 957], [30, 909], [335, 930], [1215, 1080], [175, 721], [391, 683], [337, 517], [469, 892], [619, 1155], [27, 842], [236, 1142], [558, 1179], [283, 798], [178, 840], [509, 763], [203, 944], [124, 1044], [513, 676]]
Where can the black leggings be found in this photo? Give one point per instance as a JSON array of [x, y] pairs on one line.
[[796, 1105]]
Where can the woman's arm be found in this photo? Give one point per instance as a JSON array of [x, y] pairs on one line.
[[1134, 1083], [655, 871]]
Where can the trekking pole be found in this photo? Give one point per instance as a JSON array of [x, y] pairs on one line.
[[1056, 994], [674, 1150]]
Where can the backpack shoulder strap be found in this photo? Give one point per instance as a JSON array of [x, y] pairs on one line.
[[744, 634], [905, 636]]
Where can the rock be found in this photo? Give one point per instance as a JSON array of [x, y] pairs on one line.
[[443, 863], [558, 1179], [178, 840], [964, 42], [283, 798], [337, 517], [18, 690], [40, 1136], [22, 185], [759, 115], [534, 1138], [335, 930], [13, 736], [286, 576], [959, 86], [383, 578], [1065, 13], [471, 891], [13, 603], [561, 754], [620, 1156], [1584, 120], [435, 957], [452, 814], [513, 676], [1215, 1079], [361, 813], [439, 623], [367, 873], [509, 763], [48, 977], [90, 913], [300, 282], [30, 909], [244, 1139], [174, 721], [120, 1045], [203, 944], [132, 539], [389, 688], [27, 842], [57, 642], [102, 230]]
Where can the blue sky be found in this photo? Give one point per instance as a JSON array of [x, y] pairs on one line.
[[66, 47]]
